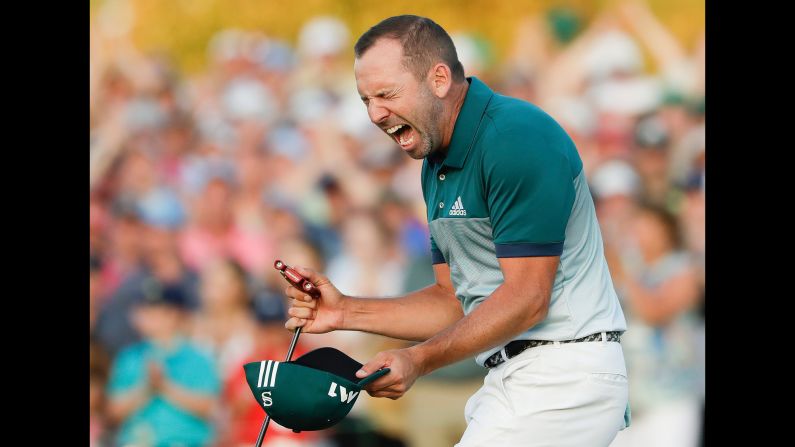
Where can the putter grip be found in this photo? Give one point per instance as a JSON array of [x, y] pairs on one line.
[[295, 278]]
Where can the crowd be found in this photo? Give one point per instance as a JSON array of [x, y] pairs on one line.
[[198, 182]]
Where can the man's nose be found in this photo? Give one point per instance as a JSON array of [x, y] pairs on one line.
[[377, 113]]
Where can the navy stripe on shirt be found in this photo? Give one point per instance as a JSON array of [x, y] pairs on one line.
[[437, 256], [521, 250]]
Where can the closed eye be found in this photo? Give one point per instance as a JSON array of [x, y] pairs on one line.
[[382, 95]]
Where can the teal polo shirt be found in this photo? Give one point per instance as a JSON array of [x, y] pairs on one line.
[[159, 422], [511, 184]]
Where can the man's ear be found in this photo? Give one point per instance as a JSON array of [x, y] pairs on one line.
[[441, 79]]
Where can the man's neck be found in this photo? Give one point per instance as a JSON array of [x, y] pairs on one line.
[[459, 95]]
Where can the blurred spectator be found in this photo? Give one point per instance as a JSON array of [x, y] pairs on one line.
[[123, 256], [616, 189], [162, 390], [651, 158], [370, 263], [114, 328], [659, 286], [215, 233], [223, 326]]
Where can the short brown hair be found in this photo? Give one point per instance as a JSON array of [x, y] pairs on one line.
[[424, 44]]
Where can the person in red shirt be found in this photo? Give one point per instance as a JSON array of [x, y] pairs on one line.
[[245, 414]]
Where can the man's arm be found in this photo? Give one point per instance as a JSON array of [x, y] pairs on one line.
[[518, 304], [417, 316]]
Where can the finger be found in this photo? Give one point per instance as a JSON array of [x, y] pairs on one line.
[[394, 386], [394, 395], [378, 362], [383, 383], [301, 312], [317, 279], [293, 323], [296, 294], [308, 304]]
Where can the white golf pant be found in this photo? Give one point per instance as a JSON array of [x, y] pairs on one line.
[[561, 395]]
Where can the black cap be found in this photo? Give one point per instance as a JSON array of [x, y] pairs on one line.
[[269, 309], [155, 292]]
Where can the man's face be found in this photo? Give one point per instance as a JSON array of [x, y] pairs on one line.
[[403, 107]]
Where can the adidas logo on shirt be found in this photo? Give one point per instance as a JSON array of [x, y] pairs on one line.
[[458, 208]]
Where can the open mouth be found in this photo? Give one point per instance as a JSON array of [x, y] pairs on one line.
[[403, 134]]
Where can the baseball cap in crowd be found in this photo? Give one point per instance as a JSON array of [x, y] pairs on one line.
[[269, 308], [288, 141], [322, 36], [651, 133], [310, 104], [161, 208], [610, 53], [565, 24], [613, 178], [155, 292], [629, 96], [574, 114], [198, 172], [144, 114], [695, 181], [275, 55], [247, 99], [312, 392], [473, 51]]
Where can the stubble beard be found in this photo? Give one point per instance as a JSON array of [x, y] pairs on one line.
[[430, 136]]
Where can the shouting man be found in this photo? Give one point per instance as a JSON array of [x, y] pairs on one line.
[[521, 279]]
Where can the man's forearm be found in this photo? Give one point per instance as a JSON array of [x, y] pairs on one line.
[[503, 315], [417, 316]]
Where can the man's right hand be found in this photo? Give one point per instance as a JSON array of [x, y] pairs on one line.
[[316, 316]]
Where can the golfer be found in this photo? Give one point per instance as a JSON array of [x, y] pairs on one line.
[[521, 279]]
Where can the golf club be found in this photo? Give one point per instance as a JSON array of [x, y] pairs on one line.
[[301, 283]]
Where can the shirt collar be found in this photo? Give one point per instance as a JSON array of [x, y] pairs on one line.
[[468, 122]]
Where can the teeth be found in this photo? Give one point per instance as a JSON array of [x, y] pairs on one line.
[[394, 129], [404, 142]]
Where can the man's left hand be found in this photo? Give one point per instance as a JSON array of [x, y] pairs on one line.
[[404, 366]]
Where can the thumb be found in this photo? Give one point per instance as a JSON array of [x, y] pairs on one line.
[[313, 276], [372, 366]]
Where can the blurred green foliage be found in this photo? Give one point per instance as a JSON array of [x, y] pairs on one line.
[[182, 28]]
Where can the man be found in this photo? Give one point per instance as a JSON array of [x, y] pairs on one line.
[[162, 390], [516, 247]]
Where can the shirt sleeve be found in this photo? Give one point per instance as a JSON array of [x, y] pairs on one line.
[[530, 192], [436, 255], [127, 372]]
